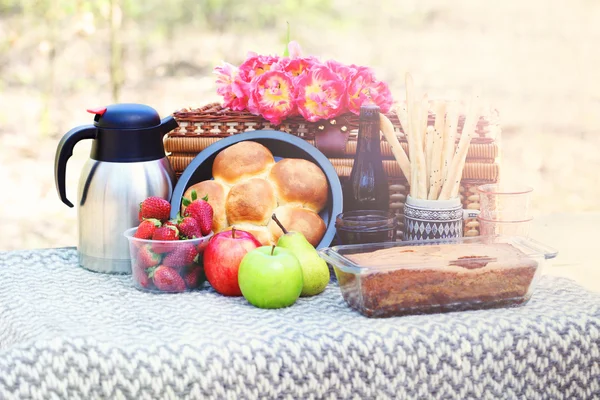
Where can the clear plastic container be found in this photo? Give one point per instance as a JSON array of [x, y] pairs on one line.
[[166, 266], [401, 278]]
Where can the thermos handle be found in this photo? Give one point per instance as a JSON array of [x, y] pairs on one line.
[[167, 124], [64, 152]]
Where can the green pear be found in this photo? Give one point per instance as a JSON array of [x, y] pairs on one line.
[[314, 269]]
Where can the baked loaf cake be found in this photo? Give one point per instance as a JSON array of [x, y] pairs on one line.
[[444, 277], [248, 186]]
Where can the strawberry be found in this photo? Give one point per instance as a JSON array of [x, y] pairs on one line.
[[182, 256], [147, 228], [201, 211], [167, 279], [167, 232], [193, 276], [171, 223], [146, 258], [141, 277], [155, 207], [189, 228]]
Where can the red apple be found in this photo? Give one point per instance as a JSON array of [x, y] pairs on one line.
[[222, 259]]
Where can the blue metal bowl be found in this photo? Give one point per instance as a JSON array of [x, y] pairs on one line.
[[282, 145]]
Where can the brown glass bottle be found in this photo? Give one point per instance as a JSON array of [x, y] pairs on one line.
[[367, 188]]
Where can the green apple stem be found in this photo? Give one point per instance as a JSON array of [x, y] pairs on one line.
[[272, 249], [279, 224]]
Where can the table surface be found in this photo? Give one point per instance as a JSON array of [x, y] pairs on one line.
[[575, 236], [68, 332]]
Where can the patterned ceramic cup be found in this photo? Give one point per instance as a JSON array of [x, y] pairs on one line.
[[434, 219]]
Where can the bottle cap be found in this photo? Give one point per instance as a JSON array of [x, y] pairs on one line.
[[369, 112]]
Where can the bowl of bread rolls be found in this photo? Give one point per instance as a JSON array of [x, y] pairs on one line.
[[250, 176]]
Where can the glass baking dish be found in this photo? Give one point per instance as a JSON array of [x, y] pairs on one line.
[[401, 278]]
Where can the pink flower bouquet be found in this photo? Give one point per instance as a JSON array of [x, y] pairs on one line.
[[278, 87]]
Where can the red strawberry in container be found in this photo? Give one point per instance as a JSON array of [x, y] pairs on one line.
[[140, 277], [193, 276], [182, 256], [167, 279], [189, 228], [146, 228], [146, 258], [155, 207], [200, 210], [171, 223], [165, 233]]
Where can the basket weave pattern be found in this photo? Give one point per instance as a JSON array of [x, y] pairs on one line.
[[201, 127]]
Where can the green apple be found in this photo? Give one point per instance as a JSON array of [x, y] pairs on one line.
[[270, 277]]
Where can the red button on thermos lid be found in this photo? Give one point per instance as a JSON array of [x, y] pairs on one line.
[[98, 111]]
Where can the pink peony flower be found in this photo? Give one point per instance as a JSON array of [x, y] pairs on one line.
[[231, 87], [320, 93], [226, 74], [294, 49], [295, 66], [271, 95], [256, 65], [344, 71], [363, 87]]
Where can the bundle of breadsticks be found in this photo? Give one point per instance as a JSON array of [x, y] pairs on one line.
[[436, 162]]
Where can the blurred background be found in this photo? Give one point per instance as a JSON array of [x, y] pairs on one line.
[[536, 61]]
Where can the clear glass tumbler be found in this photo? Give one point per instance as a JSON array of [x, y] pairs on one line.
[[506, 203], [509, 228]]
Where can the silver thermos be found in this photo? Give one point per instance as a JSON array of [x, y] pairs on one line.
[[127, 164]]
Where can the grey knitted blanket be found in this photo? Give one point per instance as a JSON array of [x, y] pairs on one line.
[[69, 333]]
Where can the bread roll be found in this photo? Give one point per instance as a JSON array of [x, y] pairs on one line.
[[242, 161], [307, 222], [251, 202], [217, 194], [299, 183], [248, 187]]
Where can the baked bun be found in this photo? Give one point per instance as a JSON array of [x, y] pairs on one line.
[[293, 219], [242, 161], [299, 183], [250, 202], [217, 195]]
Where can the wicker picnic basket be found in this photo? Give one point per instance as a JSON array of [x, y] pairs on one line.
[[336, 138]]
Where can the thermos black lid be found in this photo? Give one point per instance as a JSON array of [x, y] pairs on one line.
[[125, 116], [128, 132]]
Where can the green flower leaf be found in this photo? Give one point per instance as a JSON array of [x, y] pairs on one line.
[[286, 52]]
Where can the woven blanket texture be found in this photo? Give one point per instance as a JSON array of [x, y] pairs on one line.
[[69, 333]]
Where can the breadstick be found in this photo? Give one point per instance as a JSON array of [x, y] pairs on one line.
[[402, 114], [449, 140], [435, 179], [410, 87], [423, 114], [452, 184], [430, 134], [416, 150], [419, 149], [388, 132]]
